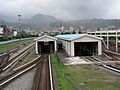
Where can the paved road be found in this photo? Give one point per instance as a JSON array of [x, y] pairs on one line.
[[5, 42]]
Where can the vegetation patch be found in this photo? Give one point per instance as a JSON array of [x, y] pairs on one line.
[[60, 69], [84, 77], [9, 46]]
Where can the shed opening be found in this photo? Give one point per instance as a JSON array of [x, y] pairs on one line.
[[46, 47], [86, 48]]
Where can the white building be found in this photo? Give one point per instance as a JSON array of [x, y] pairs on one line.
[[45, 44], [81, 44], [105, 33], [15, 32], [1, 31]]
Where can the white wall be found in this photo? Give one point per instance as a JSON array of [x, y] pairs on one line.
[[67, 47], [72, 48]]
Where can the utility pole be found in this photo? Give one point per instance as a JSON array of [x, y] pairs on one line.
[[19, 18]]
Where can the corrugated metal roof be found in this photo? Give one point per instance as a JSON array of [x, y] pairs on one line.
[[74, 36], [69, 36]]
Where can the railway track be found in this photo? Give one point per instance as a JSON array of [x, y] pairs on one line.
[[99, 62], [42, 76], [114, 56], [18, 71], [8, 63]]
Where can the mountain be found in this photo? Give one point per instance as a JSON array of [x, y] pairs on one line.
[[42, 19], [40, 22], [95, 23], [36, 19], [7, 18]]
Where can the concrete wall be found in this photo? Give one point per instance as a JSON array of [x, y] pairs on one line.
[[68, 48], [72, 48]]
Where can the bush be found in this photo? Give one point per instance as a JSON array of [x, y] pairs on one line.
[[3, 38]]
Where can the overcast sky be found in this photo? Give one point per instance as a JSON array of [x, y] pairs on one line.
[[62, 9]]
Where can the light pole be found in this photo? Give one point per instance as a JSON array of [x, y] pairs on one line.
[[19, 18]]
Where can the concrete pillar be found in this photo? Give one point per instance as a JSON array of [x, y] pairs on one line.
[[65, 46], [36, 47], [116, 41], [68, 48], [55, 46], [107, 40], [99, 48], [101, 33]]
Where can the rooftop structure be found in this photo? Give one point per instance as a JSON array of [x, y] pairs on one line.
[[71, 37]]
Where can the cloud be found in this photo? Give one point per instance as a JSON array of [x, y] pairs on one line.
[[62, 9]]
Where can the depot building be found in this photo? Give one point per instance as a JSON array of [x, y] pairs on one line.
[[73, 44], [80, 44], [46, 44]]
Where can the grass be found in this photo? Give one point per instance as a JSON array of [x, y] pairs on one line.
[[63, 83], [84, 76], [9, 46], [94, 79]]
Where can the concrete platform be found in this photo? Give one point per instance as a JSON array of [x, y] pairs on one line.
[[75, 61], [67, 60]]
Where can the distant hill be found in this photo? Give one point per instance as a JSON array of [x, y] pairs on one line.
[[37, 22], [95, 23], [42, 19], [7, 18], [40, 22]]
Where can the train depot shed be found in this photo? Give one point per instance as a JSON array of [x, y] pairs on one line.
[[80, 44], [45, 44]]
